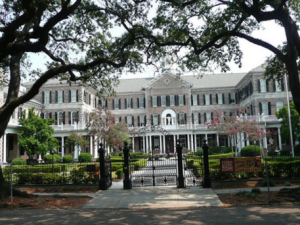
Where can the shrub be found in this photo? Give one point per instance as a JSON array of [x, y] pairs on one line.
[[271, 183], [251, 150], [78, 175], [85, 157], [297, 149], [19, 161], [48, 158], [285, 152], [67, 158], [272, 153], [256, 190], [199, 152], [119, 173]]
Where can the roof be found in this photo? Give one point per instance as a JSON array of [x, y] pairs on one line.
[[260, 68], [132, 85]]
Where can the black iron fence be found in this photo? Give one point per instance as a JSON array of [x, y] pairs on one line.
[[57, 173]]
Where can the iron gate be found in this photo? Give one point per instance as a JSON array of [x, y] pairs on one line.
[[161, 171]]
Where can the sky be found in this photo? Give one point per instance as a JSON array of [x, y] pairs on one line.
[[253, 55]]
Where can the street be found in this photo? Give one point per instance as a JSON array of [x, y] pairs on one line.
[[202, 215]]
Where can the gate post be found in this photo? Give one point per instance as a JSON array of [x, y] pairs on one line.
[[180, 179], [126, 167], [103, 181], [206, 178]]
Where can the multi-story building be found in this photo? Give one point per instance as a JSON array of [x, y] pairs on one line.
[[177, 107]]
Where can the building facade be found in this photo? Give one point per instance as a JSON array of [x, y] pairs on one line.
[[162, 110]]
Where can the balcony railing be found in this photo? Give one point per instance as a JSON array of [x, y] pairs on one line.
[[69, 127]]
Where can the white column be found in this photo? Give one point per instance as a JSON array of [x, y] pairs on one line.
[[147, 144], [206, 137], [195, 141], [265, 140], [91, 145], [247, 142], [217, 136], [188, 140], [279, 139], [133, 149], [160, 144], [150, 143], [174, 140], [192, 143], [164, 144], [242, 140], [144, 147], [229, 141], [40, 158], [76, 152], [96, 147], [4, 148]]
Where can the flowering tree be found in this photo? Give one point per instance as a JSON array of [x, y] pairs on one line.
[[232, 126], [77, 140], [103, 125]]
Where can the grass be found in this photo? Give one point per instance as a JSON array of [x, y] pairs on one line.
[[38, 200]]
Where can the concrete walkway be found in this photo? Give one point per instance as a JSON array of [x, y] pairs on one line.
[[156, 197]]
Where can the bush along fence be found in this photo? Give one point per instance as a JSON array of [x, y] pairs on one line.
[[63, 173]]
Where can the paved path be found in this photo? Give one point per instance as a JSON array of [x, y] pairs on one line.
[[275, 215]]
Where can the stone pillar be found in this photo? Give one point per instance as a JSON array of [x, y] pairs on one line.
[[4, 148], [188, 141], [180, 179], [96, 147], [144, 148], [133, 147], [279, 139], [150, 143], [160, 144], [91, 145], [164, 144], [62, 147], [147, 144], [195, 142]]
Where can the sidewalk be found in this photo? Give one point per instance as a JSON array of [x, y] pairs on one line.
[[156, 197]]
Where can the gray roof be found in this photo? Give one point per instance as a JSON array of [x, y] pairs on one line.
[[50, 81], [215, 80], [207, 81], [260, 68]]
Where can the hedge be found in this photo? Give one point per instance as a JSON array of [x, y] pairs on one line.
[[43, 178], [251, 150], [67, 158], [36, 169], [19, 161], [48, 158], [85, 157]]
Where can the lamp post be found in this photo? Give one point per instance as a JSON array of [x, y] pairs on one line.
[[206, 178], [52, 151]]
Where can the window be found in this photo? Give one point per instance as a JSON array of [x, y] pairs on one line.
[[279, 105], [232, 98], [47, 97], [103, 103], [116, 103], [182, 140], [277, 86], [207, 99], [263, 86], [220, 99], [73, 95], [181, 118], [208, 117], [129, 121], [222, 140], [265, 108], [154, 101], [60, 96], [141, 102], [181, 100], [195, 100], [75, 117], [128, 103], [172, 100], [163, 101], [142, 121], [60, 118], [196, 118], [155, 120]]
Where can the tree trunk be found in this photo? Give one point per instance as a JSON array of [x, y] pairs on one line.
[[4, 188]]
